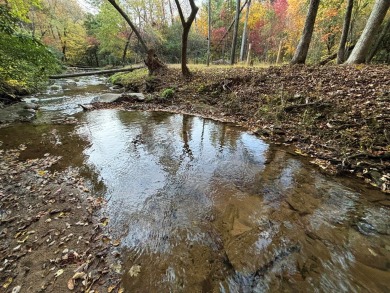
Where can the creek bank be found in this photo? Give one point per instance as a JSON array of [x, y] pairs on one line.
[[51, 236], [338, 116]]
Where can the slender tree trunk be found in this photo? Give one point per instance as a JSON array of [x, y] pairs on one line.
[[279, 57], [230, 26], [304, 43], [126, 47], [235, 33], [171, 11], [362, 47], [248, 57], [209, 33], [385, 30], [186, 30], [244, 33], [343, 40]]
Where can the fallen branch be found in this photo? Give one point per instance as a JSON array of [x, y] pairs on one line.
[[95, 72]]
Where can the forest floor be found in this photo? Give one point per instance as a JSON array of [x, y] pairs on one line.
[[338, 115]]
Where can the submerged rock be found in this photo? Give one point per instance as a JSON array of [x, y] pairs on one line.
[[17, 112]]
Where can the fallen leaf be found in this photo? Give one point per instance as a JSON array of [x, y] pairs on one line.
[[111, 288], [104, 222], [23, 240], [59, 273], [7, 283], [16, 289], [71, 284], [79, 275], [116, 242], [135, 270]]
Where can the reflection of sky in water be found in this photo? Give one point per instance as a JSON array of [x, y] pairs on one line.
[[158, 169], [165, 175]]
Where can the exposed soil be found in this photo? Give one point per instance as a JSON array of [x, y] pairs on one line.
[[339, 115], [51, 236]]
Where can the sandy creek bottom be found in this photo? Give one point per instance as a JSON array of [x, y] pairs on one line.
[[201, 206]]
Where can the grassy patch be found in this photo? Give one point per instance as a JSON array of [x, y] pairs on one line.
[[130, 79]]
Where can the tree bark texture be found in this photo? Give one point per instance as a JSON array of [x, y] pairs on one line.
[[385, 30], [344, 35], [360, 52], [244, 33], [235, 33], [186, 24], [304, 43]]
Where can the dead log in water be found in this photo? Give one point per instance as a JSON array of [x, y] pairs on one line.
[[95, 72]]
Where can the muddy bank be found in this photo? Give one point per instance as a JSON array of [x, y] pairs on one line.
[[51, 232], [338, 115]]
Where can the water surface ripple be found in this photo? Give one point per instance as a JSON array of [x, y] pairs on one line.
[[202, 206]]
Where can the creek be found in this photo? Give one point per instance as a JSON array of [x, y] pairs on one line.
[[202, 206]]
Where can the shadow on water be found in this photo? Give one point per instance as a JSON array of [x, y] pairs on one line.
[[202, 206]]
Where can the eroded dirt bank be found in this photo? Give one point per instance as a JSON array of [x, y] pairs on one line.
[[339, 115]]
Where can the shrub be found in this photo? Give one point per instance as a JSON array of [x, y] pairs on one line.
[[167, 93]]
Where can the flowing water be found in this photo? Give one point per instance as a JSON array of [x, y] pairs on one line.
[[201, 206]]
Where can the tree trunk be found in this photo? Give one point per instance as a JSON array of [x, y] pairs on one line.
[[385, 30], [230, 26], [152, 61], [362, 47], [344, 35], [248, 57], [209, 33], [235, 33], [186, 30], [304, 43], [244, 33], [280, 49], [126, 47]]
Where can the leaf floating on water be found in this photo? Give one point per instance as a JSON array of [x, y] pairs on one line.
[[117, 268], [116, 242], [7, 283], [104, 222], [135, 270], [59, 273]]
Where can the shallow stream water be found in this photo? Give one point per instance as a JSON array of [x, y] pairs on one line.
[[202, 206]]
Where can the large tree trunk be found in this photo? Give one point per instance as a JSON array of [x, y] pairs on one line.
[[344, 34], [362, 47], [152, 61], [235, 33], [304, 43], [186, 30], [385, 30]]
